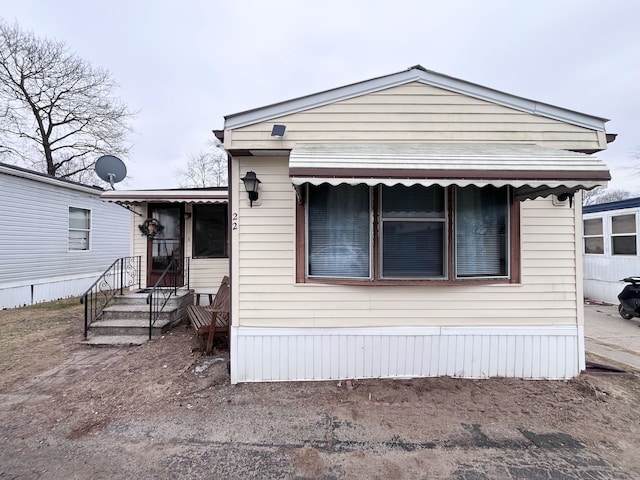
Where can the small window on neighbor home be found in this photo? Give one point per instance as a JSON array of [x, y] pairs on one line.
[[593, 236], [79, 228], [210, 231], [623, 235]]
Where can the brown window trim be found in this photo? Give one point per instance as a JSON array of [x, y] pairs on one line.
[[515, 253]]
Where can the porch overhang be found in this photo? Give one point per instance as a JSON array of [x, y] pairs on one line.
[[196, 195], [531, 170]]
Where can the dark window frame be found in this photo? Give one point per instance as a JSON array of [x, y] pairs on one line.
[[513, 249], [196, 215]]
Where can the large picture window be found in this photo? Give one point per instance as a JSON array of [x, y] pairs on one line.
[[79, 228], [210, 231], [399, 233]]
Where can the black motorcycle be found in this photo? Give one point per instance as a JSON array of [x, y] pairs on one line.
[[630, 298]]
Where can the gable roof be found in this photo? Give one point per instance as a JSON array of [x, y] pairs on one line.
[[418, 74]]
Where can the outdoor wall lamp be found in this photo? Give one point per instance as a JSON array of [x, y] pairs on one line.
[[563, 197], [251, 183]]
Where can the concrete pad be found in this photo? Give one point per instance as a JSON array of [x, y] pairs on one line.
[[610, 336]]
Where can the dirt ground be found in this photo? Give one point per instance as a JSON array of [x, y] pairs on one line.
[[164, 411]]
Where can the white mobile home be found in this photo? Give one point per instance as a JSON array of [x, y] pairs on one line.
[[406, 226], [194, 225], [56, 237], [610, 248]]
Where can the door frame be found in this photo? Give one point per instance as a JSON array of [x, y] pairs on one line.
[[152, 275]]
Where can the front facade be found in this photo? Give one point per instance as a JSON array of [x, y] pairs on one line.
[[192, 226], [407, 226], [56, 237], [610, 248]]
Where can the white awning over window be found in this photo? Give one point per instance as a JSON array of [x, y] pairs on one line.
[[531, 170]]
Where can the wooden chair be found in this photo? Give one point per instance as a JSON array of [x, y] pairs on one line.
[[212, 320]]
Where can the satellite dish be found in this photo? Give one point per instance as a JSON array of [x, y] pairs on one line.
[[111, 169]]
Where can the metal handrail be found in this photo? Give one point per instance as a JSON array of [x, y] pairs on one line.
[[161, 292], [122, 274]]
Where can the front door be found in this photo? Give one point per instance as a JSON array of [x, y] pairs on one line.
[[167, 244]]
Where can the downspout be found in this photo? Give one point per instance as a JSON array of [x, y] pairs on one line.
[[579, 281]]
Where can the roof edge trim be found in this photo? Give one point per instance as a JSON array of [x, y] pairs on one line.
[[421, 75], [48, 179]]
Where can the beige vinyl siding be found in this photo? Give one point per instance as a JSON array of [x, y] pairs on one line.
[[416, 113], [267, 295], [139, 241], [205, 274]]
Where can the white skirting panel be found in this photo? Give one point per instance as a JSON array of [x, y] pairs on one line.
[[45, 290], [283, 354]]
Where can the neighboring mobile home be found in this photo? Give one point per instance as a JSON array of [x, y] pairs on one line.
[[56, 237], [610, 248], [194, 227], [406, 226]]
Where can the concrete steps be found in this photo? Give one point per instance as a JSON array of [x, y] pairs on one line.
[[129, 326], [118, 312], [116, 340], [127, 321]]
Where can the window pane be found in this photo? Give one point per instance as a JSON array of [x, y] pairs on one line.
[[78, 240], [169, 218], [163, 251], [623, 224], [624, 245], [78, 218], [412, 202], [481, 231], [209, 231], [339, 231], [413, 249], [593, 226], [594, 245]]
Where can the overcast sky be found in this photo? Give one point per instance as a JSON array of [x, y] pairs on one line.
[[184, 65]]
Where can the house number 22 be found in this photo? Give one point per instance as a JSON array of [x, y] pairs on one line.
[[234, 221]]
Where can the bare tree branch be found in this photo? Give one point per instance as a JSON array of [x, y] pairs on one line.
[[58, 113], [205, 169], [603, 195]]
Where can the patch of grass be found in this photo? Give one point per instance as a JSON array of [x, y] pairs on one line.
[[58, 304], [31, 337]]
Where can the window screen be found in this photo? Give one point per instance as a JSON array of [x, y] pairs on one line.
[[339, 231], [481, 231]]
